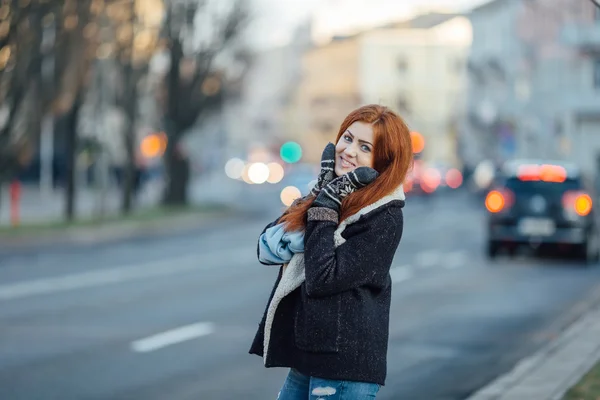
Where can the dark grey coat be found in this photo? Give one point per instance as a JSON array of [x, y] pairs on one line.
[[328, 313]]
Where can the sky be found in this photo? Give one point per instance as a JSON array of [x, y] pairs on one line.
[[275, 20]]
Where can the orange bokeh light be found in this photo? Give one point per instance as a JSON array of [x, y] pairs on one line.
[[546, 173], [583, 204], [494, 201], [553, 173], [418, 142], [154, 145]]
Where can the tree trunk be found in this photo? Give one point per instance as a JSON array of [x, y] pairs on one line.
[[178, 175], [70, 126], [129, 140], [176, 163]]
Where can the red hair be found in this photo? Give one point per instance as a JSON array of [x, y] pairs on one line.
[[392, 158]]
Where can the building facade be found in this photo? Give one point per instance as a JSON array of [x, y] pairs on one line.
[[534, 82], [253, 118], [327, 91], [495, 89], [416, 67], [579, 89]]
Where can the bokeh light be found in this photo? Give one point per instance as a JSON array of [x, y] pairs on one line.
[[258, 173], [153, 145], [494, 201], [289, 194], [408, 185], [291, 152], [418, 142], [276, 172], [246, 175], [484, 174], [234, 168], [454, 178], [583, 205], [430, 180], [259, 154]]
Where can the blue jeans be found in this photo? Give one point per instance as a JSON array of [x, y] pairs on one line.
[[301, 387]]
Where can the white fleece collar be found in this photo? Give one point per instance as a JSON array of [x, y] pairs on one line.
[[397, 194], [293, 273]]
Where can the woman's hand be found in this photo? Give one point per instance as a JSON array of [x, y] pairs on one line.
[[327, 169], [334, 192]]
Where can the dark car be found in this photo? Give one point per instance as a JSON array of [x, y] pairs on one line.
[[538, 203]]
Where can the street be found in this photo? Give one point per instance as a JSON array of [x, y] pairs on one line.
[[173, 318]]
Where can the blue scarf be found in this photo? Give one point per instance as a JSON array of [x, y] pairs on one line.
[[276, 246]]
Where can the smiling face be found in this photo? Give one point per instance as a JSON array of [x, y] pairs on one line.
[[354, 149]]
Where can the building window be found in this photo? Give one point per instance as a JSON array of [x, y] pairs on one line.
[[597, 73], [402, 64]]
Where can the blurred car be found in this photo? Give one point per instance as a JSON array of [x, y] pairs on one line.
[[541, 202]]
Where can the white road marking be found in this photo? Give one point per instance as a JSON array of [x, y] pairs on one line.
[[455, 259], [427, 259], [173, 336], [400, 274], [121, 274]]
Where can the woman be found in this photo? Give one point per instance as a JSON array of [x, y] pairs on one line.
[[328, 314]]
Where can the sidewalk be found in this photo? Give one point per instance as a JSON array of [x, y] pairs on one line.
[[552, 371], [35, 207], [212, 197]]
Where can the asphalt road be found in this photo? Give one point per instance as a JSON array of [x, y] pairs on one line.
[[173, 318]]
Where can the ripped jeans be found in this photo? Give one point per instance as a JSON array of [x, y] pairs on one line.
[[301, 387]]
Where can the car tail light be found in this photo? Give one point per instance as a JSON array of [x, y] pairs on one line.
[[579, 202], [546, 173], [498, 200]]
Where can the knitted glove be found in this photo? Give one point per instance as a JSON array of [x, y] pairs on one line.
[[327, 169], [334, 192]]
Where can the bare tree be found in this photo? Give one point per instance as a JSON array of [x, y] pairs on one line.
[[28, 91], [194, 83], [20, 82], [75, 49]]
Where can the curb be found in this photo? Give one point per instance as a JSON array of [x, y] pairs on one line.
[[550, 372]]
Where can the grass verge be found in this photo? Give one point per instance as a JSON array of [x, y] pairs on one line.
[[588, 388], [146, 216]]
